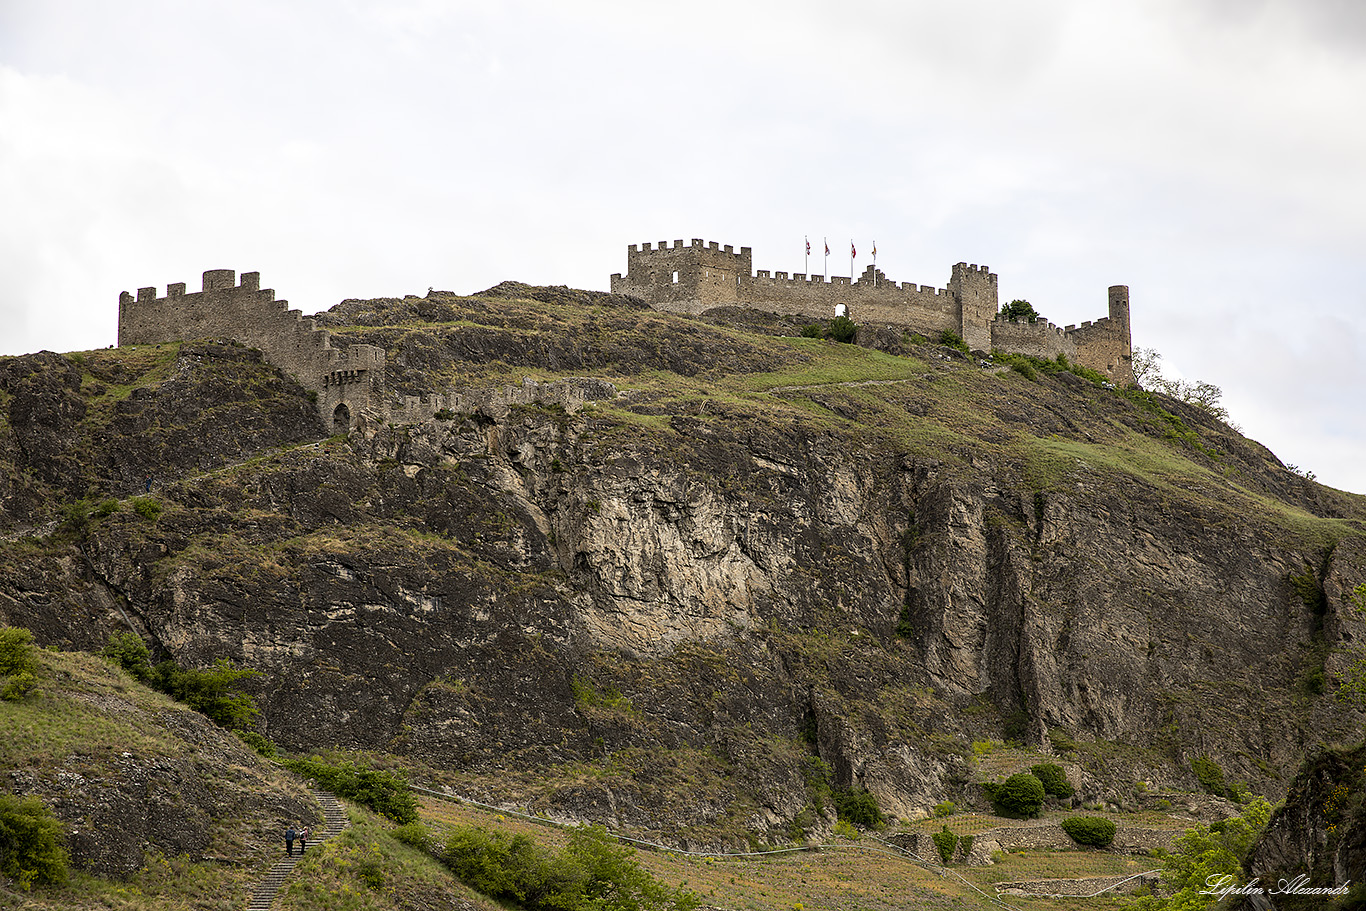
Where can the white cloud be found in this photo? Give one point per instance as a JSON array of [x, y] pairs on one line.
[[1201, 152]]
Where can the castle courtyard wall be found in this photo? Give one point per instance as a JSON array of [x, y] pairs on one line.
[[1037, 339]]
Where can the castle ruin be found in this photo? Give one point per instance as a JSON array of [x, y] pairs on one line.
[[348, 380], [698, 276]]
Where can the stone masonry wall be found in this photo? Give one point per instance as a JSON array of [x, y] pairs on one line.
[[698, 276], [1106, 344], [347, 380], [1039, 339]]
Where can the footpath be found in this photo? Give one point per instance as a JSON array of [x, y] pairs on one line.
[[334, 819]]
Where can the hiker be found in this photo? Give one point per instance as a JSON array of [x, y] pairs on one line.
[[303, 839], [290, 835]]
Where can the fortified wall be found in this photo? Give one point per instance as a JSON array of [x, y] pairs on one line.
[[698, 276], [348, 379]]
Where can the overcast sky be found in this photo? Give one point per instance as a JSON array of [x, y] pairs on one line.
[[1210, 154]]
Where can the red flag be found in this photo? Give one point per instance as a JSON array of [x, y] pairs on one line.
[[827, 248], [808, 248], [852, 251], [874, 249]]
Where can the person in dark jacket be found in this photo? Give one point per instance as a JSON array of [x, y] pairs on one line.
[[290, 835]]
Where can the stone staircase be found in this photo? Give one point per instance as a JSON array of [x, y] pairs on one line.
[[334, 821]]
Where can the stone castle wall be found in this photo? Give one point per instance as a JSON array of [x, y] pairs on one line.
[[349, 380], [694, 277]]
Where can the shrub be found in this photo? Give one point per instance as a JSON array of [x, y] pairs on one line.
[[812, 331], [129, 652], [1212, 779], [414, 835], [147, 507], [258, 742], [947, 808], [18, 667], [859, 808], [384, 792], [1089, 830], [946, 842], [592, 872], [843, 329], [31, 851], [953, 340], [212, 691], [16, 651], [1020, 796], [1053, 779]]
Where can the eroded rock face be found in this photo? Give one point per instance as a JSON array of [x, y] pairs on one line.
[[1320, 832], [702, 602]]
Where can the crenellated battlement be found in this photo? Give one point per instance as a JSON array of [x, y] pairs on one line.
[[350, 379], [699, 275]]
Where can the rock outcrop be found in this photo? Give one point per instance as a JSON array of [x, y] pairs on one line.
[[766, 566]]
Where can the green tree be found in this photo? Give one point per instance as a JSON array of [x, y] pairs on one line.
[[129, 652], [1018, 310], [1207, 859], [31, 851], [18, 666], [214, 691], [1020, 796]]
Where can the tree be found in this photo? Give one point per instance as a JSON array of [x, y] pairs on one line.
[[1020, 796], [1147, 364], [31, 851], [1208, 856], [1018, 310]]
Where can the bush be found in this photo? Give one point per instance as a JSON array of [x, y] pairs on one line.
[[147, 507], [812, 331], [31, 851], [414, 835], [1020, 796], [953, 340], [1053, 779], [129, 652], [384, 792], [258, 742], [592, 872], [1089, 830], [946, 842], [947, 808], [859, 808], [212, 691], [843, 329], [18, 667], [1212, 779]]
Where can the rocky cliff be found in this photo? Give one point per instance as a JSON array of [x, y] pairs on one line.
[[660, 610]]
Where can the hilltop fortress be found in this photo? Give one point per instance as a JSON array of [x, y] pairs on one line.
[[699, 276], [348, 380]]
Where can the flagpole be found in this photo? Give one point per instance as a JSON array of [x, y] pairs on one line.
[[826, 267], [807, 266], [852, 254], [874, 264]]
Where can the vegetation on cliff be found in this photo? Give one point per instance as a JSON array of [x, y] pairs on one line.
[[773, 571]]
